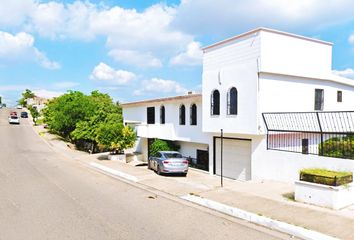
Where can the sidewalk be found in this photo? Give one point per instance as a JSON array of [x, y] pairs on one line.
[[265, 198]]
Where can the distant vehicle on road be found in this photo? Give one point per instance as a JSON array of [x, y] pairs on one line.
[[24, 115], [19, 107], [14, 120], [168, 162]]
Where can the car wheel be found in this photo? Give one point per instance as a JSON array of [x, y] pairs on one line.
[[184, 174], [158, 170], [149, 164]]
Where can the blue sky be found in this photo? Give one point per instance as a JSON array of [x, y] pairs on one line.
[[144, 49]]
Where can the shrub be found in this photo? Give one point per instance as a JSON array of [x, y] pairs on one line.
[[162, 145], [34, 112], [338, 147], [113, 135], [324, 176]]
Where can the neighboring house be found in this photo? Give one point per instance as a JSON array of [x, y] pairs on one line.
[[38, 102], [177, 119], [244, 78]]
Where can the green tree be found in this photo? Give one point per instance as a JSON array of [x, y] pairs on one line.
[[113, 135], [34, 112], [93, 119], [27, 94], [103, 106], [63, 113]]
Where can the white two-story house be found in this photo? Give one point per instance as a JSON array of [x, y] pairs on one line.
[[244, 78]]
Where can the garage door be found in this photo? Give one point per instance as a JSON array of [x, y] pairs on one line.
[[236, 158]]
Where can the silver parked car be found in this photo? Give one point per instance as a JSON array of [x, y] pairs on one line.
[[168, 162]]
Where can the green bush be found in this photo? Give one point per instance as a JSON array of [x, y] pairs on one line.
[[327, 177], [34, 112], [338, 147], [92, 121], [162, 145]]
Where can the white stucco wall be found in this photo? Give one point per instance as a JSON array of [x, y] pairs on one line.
[[238, 51], [189, 149], [285, 166], [279, 93], [232, 64], [244, 78], [291, 55]]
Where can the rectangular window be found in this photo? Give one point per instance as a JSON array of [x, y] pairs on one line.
[[319, 99], [305, 146], [151, 115], [339, 96]]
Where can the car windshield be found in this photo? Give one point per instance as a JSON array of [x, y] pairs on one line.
[[14, 117], [172, 155]]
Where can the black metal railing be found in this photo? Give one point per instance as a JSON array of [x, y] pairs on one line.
[[322, 133]]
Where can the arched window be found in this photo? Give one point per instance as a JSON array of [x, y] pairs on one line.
[[162, 114], [215, 103], [182, 115], [232, 101], [193, 113]]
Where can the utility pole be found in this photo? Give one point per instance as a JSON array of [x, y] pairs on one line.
[[221, 156]]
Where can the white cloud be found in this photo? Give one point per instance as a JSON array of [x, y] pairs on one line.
[[156, 85], [135, 58], [351, 39], [65, 85], [60, 21], [43, 93], [14, 12], [148, 33], [124, 28], [104, 73], [349, 73], [20, 47], [191, 57], [225, 17]]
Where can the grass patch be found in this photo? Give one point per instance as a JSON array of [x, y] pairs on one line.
[[327, 177], [40, 121]]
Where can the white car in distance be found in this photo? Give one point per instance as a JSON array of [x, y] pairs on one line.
[[14, 120]]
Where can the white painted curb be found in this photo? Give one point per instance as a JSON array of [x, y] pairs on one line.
[[260, 220], [114, 172]]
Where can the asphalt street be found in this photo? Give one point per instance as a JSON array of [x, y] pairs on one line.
[[44, 195]]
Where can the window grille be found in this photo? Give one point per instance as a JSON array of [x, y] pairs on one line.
[[182, 115], [232, 101], [193, 114], [151, 115], [215, 103], [162, 114]]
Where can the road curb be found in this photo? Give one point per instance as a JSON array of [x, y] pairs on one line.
[[287, 228], [114, 172], [283, 227]]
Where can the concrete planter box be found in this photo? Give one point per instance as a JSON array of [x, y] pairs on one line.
[[324, 195], [117, 157]]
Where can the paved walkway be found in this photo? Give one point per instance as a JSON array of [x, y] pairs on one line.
[[264, 198]]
